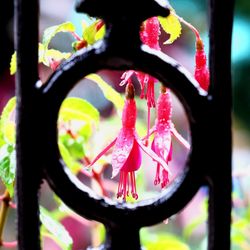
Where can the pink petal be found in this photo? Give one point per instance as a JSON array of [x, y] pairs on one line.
[[162, 143], [143, 80], [201, 70], [123, 147], [154, 148], [165, 179], [102, 152], [150, 33], [133, 162], [129, 114], [202, 76], [164, 108], [126, 77], [153, 155], [170, 153]]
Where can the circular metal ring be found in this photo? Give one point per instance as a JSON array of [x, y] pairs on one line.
[[78, 196]]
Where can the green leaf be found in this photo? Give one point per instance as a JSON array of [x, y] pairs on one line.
[[162, 241], [91, 34], [75, 146], [7, 122], [100, 33], [56, 229], [239, 231], [45, 55], [71, 163], [189, 229], [2, 141], [78, 109], [13, 64], [172, 26], [110, 93], [8, 167], [50, 32], [241, 224], [80, 115]]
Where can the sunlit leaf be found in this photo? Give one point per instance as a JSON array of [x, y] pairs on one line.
[[8, 167], [241, 224], [162, 241], [110, 93], [2, 141], [72, 164], [50, 32], [193, 225], [78, 109], [238, 238], [45, 55], [13, 64], [172, 26], [56, 229], [100, 33], [78, 117], [75, 146], [7, 122], [239, 231], [91, 34]]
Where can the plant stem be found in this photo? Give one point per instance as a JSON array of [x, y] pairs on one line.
[[96, 175], [3, 213], [78, 38], [189, 25]]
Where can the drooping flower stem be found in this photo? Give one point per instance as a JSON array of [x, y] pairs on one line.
[[189, 25], [199, 42], [76, 36], [97, 176]]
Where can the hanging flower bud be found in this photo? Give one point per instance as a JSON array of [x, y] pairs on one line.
[[201, 70], [201, 73], [150, 32]]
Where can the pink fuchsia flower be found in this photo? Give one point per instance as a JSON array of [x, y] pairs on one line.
[[163, 131], [126, 155], [150, 32], [201, 72]]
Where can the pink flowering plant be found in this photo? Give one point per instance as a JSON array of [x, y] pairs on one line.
[[80, 123]]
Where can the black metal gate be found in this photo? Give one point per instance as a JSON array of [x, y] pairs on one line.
[[209, 119]]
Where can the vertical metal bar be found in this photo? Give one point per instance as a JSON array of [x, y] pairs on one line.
[[220, 66], [122, 238], [28, 171]]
